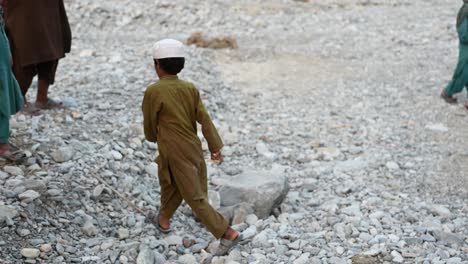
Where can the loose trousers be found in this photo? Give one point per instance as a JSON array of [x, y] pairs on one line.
[[176, 186], [4, 129], [460, 76]]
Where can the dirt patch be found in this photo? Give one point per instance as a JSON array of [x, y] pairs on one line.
[[199, 40]]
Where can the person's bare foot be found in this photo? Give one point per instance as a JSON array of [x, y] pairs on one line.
[[163, 222], [466, 105], [449, 99], [4, 147], [230, 234]]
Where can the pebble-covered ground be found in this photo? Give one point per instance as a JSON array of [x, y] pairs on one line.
[[342, 95]]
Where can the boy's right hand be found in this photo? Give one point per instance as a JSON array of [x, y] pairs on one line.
[[217, 157]]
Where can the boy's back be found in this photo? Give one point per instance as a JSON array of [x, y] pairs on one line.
[[173, 107]]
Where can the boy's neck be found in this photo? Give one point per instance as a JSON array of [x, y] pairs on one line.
[[167, 76]]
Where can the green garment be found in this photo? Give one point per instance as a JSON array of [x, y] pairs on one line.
[[460, 76], [11, 100], [463, 13], [4, 129], [171, 110]]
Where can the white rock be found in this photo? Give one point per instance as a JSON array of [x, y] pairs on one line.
[[152, 169], [123, 233], [116, 155], [63, 154], [251, 219], [98, 190], [13, 170], [440, 210], [391, 165], [29, 196], [397, 258], [303, 259], [214, 198], [46, 248], [30, 253], [262, 149], [187, 259], [89, 229], [173, 240], [250, 232], [437, 127]]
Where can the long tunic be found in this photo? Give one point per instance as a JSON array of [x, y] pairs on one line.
[[11, 100], [171, 110], [38, 30]]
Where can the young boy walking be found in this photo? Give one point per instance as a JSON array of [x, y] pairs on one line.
[[171, 109], [460, 76], [11, 100]]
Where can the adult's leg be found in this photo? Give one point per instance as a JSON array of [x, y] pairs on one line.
[[460, 76], [4, 133], [46, 76], [24, 76]]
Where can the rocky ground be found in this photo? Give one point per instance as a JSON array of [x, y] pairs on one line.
[[341, 97]]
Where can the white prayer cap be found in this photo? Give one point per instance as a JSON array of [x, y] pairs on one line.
[[168, 48]]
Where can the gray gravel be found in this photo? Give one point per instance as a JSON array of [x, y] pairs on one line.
[[342, 95]]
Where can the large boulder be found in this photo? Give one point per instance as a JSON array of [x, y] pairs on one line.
[[263, 190]]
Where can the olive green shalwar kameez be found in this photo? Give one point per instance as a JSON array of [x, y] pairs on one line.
[[171, 109]]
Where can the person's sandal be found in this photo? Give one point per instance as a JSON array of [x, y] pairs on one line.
[[448, 99], [13, 155], [226, 245], [152, 217]]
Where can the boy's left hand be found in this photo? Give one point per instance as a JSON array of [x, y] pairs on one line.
[[217, 157]]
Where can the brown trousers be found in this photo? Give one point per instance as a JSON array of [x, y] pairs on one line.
[[44, 71], [175, 188]]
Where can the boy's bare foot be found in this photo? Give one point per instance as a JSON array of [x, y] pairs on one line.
[[230, 234], [48, 104], [229, 240], [163, 222]]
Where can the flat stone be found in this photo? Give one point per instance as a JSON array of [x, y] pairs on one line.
[[265, 190], [428, 238], [449, 238], [35, 185]]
